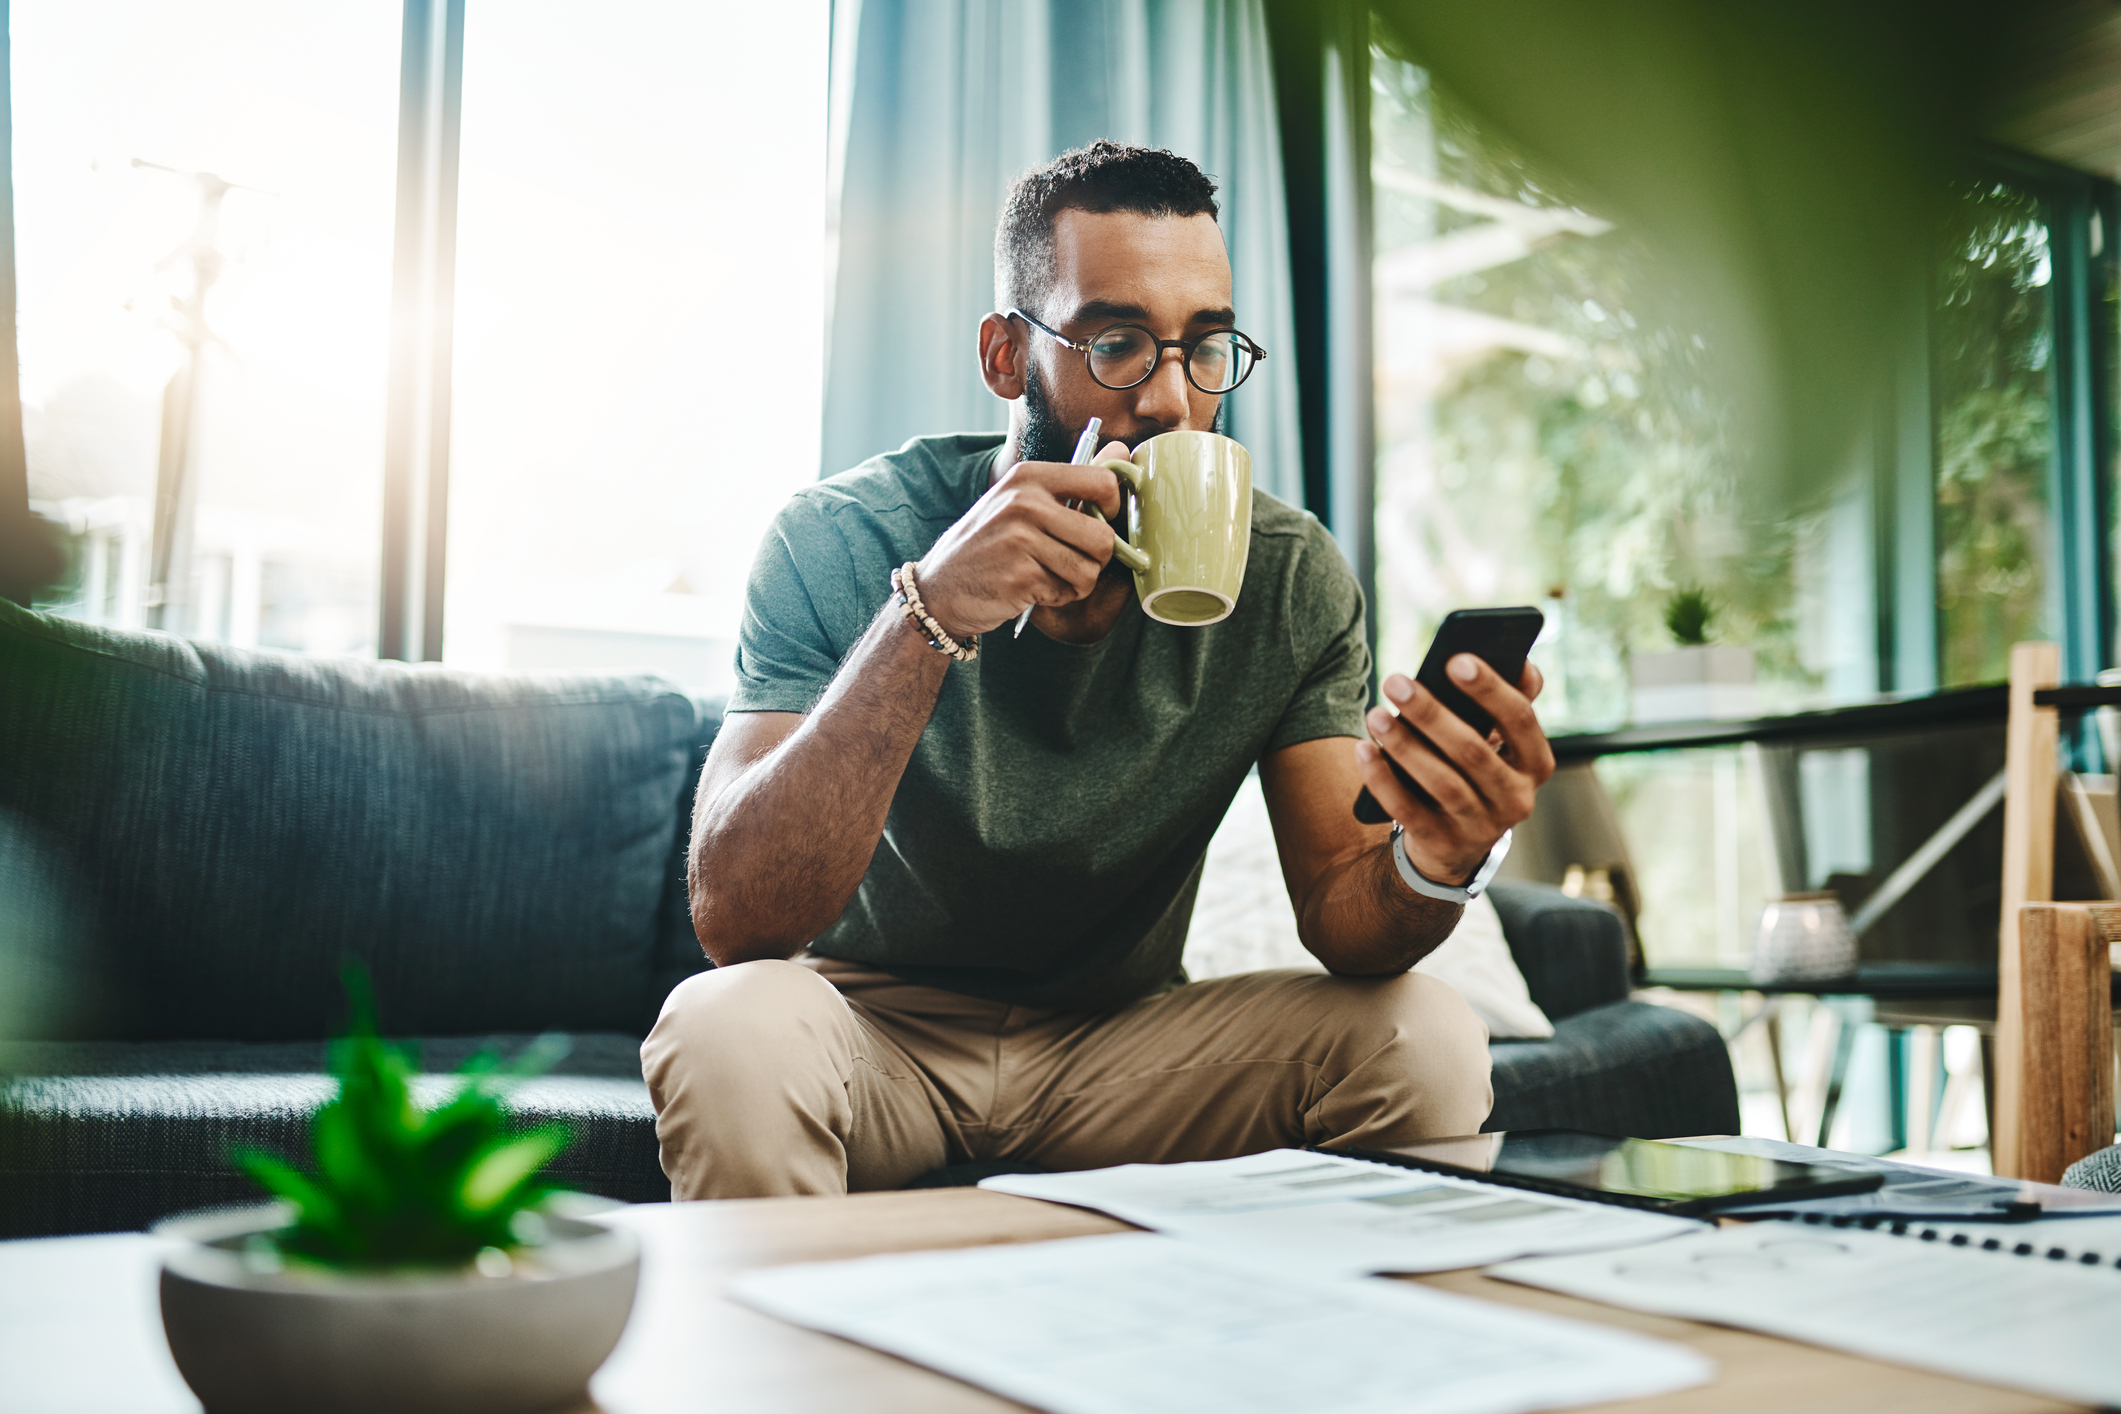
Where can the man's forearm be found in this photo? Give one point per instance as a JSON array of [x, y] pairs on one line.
[[1363, 921], [778, 852]]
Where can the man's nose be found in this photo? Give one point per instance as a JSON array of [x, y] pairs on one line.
[[1162, 398]]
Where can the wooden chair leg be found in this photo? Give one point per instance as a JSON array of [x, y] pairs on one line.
[[1772, 1023], [1959, 1081], [2065, 1035], [1921, 1088], [1837, 1077], [2030, 739]]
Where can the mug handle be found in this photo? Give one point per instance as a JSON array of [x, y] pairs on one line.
[[1123, 550]]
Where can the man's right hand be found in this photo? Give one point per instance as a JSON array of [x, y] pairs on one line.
[[1022, 544]]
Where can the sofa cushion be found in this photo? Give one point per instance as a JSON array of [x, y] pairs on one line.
[[102, 1136], [494, 848], [1627, 1068], [1572, 952]]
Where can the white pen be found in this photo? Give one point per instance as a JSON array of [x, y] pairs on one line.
[[1085, 448]]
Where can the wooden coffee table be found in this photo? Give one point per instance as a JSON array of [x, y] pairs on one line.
[[79, 1332]]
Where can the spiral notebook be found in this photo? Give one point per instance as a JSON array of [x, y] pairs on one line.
[[2093, 1240], [2032, 1307]]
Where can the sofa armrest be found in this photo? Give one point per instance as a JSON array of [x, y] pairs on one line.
[[1573, 952], [677, 953]]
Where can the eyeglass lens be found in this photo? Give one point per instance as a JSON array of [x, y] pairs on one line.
[[1126, 354]]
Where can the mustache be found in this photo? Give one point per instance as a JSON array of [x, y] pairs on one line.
[[1133, 442]]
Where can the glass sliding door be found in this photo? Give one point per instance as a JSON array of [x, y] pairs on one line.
[[203, 203]]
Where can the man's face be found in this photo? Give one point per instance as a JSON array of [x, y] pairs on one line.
[[1168, 273]]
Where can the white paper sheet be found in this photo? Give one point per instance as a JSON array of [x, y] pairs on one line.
[[1337, 1216], [2027, 1323], [1139, 1324]]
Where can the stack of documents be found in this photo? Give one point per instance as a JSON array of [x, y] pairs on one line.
[[1330, 1215], [1253, 1297], [1138, 1324]]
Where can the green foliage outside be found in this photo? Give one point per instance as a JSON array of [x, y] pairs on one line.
[[1993, 347], [396, 1185], [1687, 615], [1603, 479]]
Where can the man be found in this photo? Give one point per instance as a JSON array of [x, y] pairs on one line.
[[991, 859]]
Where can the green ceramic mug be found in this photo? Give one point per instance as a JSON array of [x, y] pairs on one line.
[[1189, 525]]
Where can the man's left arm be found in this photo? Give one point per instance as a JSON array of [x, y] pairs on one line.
[[1353, 910]]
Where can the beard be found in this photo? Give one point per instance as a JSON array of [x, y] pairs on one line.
[[1048, 438], [1045, 437]]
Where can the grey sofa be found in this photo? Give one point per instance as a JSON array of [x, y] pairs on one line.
[[193, 838]]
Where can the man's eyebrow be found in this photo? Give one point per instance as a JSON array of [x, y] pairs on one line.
[[1109, 309], [1115, 309]]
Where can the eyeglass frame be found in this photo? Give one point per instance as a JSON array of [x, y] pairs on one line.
[[1184, 346]]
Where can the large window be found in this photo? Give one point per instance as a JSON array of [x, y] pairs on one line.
[[1544, 438], [640, 331], [203, 237], [205, 204], [1547, 433]]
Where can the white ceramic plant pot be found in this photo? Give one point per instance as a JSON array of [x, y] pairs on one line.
[[1709, 683], [249, 1341]]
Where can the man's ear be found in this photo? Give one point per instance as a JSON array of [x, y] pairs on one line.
[[1001, 357]]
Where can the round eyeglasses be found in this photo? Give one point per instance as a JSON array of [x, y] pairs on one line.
[[1124, 355]]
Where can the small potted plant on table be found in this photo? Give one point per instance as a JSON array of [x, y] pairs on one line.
[[424, 1265]]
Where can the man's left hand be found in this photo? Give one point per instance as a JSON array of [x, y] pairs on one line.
[[1478, 786]]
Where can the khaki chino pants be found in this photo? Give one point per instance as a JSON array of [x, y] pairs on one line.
[[819, 1076]]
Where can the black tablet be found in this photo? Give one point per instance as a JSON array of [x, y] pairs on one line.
[[1635, 1173]]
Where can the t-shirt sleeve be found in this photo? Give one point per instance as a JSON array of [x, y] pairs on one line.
[[1331, 647], [785, 654]]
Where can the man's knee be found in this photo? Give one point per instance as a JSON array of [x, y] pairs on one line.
[[1419, 1031], [748, 1069], [751, 1019], [1412, 1007]]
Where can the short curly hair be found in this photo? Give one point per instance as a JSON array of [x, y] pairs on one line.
[[1105, 176]]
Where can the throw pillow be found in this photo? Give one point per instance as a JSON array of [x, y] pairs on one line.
[[1242, 922]]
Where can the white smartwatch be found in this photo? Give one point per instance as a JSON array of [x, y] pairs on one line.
[[1421, 883]]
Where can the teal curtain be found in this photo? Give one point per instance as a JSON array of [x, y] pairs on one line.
[[939, 104]]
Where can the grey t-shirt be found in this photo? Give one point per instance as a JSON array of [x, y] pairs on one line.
[[1046, 840]]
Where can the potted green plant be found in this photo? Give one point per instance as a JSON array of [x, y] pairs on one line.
[[423, 1264], [1696, 680]]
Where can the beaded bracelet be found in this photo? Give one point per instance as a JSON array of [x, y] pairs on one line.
[[908, 594]]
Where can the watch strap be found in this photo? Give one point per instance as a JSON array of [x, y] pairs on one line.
[[1465, 893]]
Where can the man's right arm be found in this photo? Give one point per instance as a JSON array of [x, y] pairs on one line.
[[791, 805]]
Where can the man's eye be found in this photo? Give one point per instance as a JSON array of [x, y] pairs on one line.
[[1116, 346]]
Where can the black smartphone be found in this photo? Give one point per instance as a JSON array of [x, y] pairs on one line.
[[1501, 638]]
